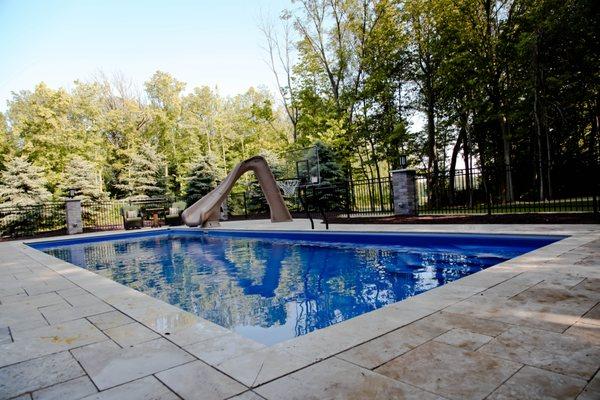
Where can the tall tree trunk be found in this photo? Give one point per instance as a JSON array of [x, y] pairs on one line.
[[467, 158], [509, 195], [462, 133], [432, 163], [538, 122]]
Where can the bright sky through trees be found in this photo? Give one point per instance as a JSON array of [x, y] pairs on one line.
[[201, 42]]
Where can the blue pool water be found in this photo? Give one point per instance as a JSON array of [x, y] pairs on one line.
[[273, 286]]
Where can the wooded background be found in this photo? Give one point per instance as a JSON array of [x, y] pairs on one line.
[[510, 87]]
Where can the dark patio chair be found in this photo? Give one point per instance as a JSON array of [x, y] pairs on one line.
[[173, 215], [131, 217]]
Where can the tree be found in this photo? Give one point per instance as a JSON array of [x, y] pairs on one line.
[[143, 176], [82, 176], [201, 179], [7, 146], [22, 184]]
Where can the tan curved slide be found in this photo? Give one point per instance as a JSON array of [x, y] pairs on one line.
[[205, 212]]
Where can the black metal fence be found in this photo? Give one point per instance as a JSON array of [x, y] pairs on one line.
[[20, 221], [106, 215], [359, 197], [468, 192], [460, 192]]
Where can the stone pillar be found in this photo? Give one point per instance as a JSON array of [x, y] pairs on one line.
[[74, 221], [405, 191]]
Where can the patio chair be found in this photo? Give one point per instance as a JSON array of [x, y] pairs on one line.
[[173, 215], [131, 217]]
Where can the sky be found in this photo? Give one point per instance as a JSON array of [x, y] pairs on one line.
[[214, 43]]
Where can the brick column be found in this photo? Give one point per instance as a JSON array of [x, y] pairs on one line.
[[74, 221], [405, 194]]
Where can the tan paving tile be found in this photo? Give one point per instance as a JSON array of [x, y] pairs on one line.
[[41, 300], [543, 315], [585, 332], [70, 390], [15, 316], [49, 339], [463, 339], [449, 371], [148, 388], [59, 313], [185, 380], [221, 348], [592, 317], [26, 396], [337, 379], [131, 334], [564, 354], [248, 395], [5, 336], [191, 331], [592, 390], [389, 346], [38, 373], [538, 384], [109, 320], [477, 325], [108, 365], [261, 366]]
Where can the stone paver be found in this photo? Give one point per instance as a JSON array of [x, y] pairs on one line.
[[592, 390], [463, 339], [248, 395], [110, 319], [186, 379], [560, 353], [148, 388], [38, 373], [5, 336], [389, 346], [60, 313], [261, 366], [337, 379], [131, 334], [217, 350], [585, 332], [108, 365], [538, 384], [49, 339], [70, 390], [449, 371], [526, 328]]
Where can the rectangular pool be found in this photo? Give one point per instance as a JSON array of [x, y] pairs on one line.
[[271, 286]]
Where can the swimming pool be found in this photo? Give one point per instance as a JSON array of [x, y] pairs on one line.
[[271, 286]]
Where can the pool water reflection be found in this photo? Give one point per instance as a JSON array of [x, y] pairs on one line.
[[275, 289]]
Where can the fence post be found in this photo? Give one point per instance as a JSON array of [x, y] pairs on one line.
[[348, 199], [404, 189], [74, 220]]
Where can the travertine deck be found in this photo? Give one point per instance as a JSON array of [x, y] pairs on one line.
[[526, 328]]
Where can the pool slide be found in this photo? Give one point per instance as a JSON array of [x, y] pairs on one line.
[[205, 212]]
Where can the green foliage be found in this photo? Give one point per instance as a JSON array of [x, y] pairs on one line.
[[143, 175], [22, 184], [498, 84], [202, 178], [82, 176]]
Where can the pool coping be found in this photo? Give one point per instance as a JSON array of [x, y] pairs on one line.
[[262, 364]]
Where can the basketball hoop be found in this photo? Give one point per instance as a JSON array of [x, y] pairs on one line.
[[288, 187]]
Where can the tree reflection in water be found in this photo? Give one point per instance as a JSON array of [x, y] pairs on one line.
[[277, 289]]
